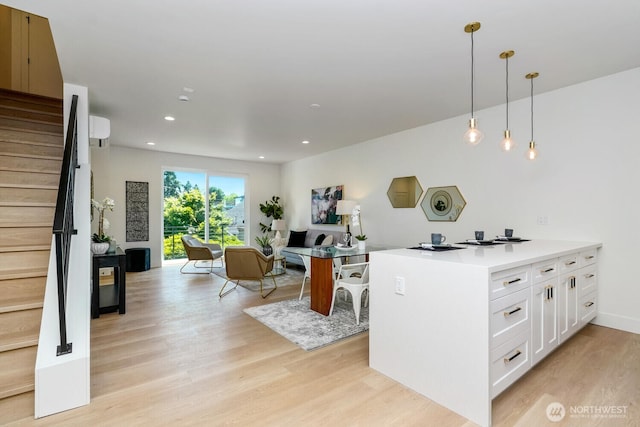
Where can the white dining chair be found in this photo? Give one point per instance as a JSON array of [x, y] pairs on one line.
[[355, 284], [307, 272]]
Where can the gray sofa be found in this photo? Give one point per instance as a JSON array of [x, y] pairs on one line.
[[309, 242]]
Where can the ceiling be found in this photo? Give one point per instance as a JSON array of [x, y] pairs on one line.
[[374, 67]]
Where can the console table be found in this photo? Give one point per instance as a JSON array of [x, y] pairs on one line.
[[109, 298]]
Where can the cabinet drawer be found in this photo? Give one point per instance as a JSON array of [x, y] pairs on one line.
[[588, 258], [588, 308], [509, 362], [587, 280], [568, 263], [510, 316], [544, 269], [508, 281]]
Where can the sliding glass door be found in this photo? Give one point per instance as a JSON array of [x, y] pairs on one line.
[[207, 206]]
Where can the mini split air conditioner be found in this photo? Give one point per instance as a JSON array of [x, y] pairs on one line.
[[99, 131]]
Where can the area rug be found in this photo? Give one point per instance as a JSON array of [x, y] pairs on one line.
[[293, 276], [295, 321]]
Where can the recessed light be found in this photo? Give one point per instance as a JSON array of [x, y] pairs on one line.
[[305, 142], [314, 105], [169, 118], [151, 143], [261, 157], [183, 98]]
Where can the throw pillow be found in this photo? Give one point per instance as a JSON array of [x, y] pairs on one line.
[[296, 239], [319, 239], [327, 240]]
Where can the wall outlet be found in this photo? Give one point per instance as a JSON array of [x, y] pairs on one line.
[[399, 285], [543, 220]]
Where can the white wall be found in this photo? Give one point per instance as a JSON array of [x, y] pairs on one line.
[[583, 180], [113, 166]]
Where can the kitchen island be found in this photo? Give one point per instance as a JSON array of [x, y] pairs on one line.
[[460, 326]]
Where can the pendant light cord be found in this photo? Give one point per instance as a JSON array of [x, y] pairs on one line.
[[531, 109], [472, 66], [507, 86]]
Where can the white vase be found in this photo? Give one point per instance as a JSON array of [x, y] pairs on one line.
[[362, 244], [99, 248]]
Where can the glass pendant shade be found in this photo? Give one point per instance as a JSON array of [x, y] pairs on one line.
[[532, 153], [507, 144], [473, 135]]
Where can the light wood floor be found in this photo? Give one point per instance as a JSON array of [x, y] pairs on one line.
[[181, 356]]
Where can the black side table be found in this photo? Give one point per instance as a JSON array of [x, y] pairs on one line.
[[109, 298]]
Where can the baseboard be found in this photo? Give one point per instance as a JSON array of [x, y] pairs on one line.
[[623, 323]]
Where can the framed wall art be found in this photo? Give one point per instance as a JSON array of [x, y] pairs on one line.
[[323, 205], [137, 226], [443, 203]]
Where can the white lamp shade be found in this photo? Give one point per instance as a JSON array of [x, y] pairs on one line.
[[278, 225], [345, 207]]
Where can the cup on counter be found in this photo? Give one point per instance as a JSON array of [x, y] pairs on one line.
[[508, 232], [437, 238], [479, 235]]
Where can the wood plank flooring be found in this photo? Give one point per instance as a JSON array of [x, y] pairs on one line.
[[180, 356]]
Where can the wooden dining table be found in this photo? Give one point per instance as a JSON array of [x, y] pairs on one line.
[[322, 270]]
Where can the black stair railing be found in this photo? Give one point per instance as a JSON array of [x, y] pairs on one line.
[[63, 228]]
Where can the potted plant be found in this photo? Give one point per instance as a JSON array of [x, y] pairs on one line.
[[264, 242], [100, 241], [361, 239], [271, 209]]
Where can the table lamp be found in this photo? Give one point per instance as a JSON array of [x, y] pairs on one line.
[[278, 225]]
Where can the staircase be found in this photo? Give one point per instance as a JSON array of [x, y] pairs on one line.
[[31, 146]]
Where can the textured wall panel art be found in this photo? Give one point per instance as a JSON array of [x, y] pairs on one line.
[[137, 211]]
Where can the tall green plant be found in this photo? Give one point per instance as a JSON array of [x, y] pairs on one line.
[[271, 209]]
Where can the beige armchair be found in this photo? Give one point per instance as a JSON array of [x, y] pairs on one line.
[[199, 251], [247, 263]]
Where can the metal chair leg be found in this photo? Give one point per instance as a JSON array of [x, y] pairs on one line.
[[275, 286], [221, 293]]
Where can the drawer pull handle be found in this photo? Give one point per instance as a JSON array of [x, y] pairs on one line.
[[589, 257], [588, 276], [569, 263], [547, 270], [509, 359], [509, 313], [511, 282], [589, 304]]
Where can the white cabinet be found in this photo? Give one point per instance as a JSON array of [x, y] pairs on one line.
[[568, 318], [472, 321]]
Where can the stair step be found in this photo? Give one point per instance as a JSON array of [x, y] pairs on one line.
[[19, 328], [21, 216], [29, 179], [33, 260], [22, 294], [22, 113], [30, 101], [23, 273], [17, 371], [16, 123], [19, 236], [28, 137], [30, 164], [27, 195], [22, 149], [17, 407], [26, 248]]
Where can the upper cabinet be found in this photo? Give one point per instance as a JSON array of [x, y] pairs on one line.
[[28, 58]]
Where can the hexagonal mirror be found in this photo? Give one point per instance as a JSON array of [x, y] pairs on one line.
[[443, 203], [404, 192]]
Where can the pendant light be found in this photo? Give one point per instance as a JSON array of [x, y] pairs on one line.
[[507, 144], [473, 135], [532, 153]]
